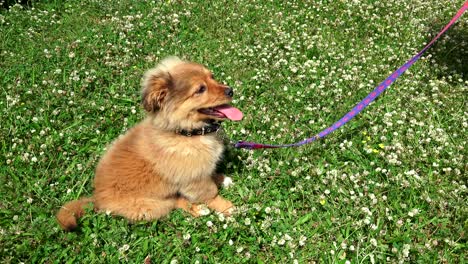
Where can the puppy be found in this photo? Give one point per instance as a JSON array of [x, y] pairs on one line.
[[168, 160]]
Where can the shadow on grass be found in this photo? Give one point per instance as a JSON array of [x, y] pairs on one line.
[[230, 156], [6, 4], [451, 51]]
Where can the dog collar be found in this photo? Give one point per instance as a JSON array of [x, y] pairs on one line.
[[210, 128]]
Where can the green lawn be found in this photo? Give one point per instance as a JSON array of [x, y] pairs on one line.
[[390, 186]]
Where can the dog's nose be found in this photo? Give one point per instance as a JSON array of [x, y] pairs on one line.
[[229, 92]]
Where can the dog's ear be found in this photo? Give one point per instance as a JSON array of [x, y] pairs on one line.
[[156, 85]]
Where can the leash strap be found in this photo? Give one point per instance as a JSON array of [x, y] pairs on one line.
[[365, 102]]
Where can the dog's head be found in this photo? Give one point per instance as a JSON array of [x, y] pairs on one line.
[[186, 94]]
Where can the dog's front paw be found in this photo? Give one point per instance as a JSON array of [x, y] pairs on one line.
[[229, 211], [199, 210], [195, 210], [221, 205]]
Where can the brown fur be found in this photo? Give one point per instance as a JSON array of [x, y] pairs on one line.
[[150, 170]]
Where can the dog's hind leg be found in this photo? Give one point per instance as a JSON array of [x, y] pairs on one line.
[[136, 209]]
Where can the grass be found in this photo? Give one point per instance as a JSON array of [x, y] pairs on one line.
[[388, 187]]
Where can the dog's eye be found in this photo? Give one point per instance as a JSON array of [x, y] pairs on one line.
[[211, 76], [201, 89]]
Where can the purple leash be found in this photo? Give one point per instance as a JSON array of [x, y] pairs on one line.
[[365, 102]]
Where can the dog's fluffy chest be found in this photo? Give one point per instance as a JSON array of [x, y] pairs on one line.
[[182, 159]]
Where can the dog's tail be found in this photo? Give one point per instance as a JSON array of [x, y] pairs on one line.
[[71, 211]]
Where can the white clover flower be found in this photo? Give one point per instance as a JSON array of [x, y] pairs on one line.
[[367, 220], [227, 182], [187, 236], [124, 248], [405, 251], [221, 217], [302, 240], [413, 212], [366, 210], [209, 224]]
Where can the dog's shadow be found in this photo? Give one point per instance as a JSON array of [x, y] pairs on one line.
[[450, 52], [230, 163]]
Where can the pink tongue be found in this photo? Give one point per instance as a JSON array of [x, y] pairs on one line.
[[230, 112]]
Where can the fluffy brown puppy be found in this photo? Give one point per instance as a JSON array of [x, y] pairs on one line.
[[168, 160]]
